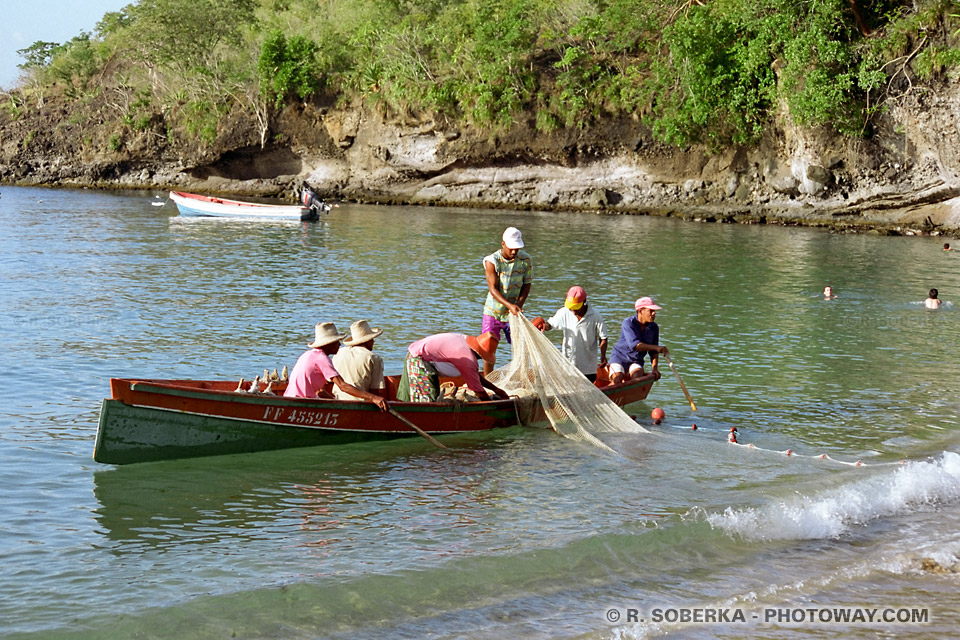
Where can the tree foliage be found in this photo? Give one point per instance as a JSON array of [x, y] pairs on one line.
[[715, 72], [38, 55], [187, 34], [286, 67]]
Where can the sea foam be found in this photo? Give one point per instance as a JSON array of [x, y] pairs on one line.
[[833, 512]]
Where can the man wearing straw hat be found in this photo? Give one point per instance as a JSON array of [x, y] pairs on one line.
[[357, 363], [639, 335], [314, 369]]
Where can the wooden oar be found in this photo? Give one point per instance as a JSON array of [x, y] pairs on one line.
[[682, 386], [426, 435]]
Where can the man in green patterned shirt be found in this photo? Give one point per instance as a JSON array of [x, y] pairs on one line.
[[509, 272]]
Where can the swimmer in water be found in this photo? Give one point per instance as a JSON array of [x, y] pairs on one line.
[[828, 293], [933, 302]]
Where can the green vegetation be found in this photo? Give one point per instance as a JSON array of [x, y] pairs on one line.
[[715, 72], [14, 106], [286, 67]]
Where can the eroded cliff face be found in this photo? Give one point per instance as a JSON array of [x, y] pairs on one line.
[[905, 177]]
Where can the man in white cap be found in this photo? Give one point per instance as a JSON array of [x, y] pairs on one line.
[[314, 369], [509, 272], [357, 363], [583, 332], [639, 335]]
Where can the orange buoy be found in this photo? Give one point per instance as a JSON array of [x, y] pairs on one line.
[[657, 415]]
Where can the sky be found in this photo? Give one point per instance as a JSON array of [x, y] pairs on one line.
[[24, 22]]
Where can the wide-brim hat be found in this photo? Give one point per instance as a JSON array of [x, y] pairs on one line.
[[326, 332], [360, 332], [484, 344], [646, 302]]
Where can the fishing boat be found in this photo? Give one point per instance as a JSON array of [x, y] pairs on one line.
[[193, 205], [149, 420]]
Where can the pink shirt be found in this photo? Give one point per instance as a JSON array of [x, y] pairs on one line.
[[451, 348], [313, 369]]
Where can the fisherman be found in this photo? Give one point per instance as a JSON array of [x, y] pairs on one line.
[[583, 332], [314, 369], [449, 355], [357, 363], [509, 272], [639, 335]]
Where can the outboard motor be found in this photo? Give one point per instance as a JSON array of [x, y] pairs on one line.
[[315, 203]]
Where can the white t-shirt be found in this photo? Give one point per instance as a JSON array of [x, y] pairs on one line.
[[581, 337]]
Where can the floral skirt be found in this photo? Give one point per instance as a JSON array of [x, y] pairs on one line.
[[420, 381]]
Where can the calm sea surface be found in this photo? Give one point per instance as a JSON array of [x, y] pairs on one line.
[[515, 533]]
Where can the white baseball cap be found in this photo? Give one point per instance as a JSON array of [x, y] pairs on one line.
[[512, 238]]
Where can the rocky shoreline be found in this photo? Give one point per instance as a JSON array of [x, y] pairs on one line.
[[904, 179]]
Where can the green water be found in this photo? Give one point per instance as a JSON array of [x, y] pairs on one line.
[[511, 534]]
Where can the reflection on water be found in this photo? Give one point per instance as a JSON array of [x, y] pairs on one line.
[[304, 496], [513, 533]]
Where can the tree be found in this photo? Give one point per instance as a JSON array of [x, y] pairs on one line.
[[39, 55], [185, 34], [114, 21], [37, 58]]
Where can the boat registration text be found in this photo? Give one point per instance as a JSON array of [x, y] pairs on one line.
[[301, 416]]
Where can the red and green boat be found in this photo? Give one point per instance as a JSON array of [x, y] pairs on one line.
[[150, 420]]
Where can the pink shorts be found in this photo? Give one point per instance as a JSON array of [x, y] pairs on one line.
[[492, 325]]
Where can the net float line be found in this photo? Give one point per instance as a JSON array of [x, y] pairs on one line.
[[733, 437]]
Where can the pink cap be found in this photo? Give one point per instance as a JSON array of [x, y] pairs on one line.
[[646, 302], [576, 296]]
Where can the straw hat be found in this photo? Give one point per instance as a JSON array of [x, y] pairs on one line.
[[484, 344], [326, 333], [360, 332]]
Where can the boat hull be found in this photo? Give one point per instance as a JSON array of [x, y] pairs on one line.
[[126, 436], [192, 205], [154, 420]]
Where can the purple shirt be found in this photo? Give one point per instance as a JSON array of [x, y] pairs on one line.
[[451, 348], [313, 369], [625, 351]]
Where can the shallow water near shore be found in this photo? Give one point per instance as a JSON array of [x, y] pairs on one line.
[[515, 533]]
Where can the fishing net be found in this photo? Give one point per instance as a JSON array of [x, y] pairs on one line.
[[550, 385]]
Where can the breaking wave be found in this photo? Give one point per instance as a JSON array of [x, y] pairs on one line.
[[833, 512]]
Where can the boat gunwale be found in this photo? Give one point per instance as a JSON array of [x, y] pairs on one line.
[[216, 200], [171, 388], [188, 389]]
